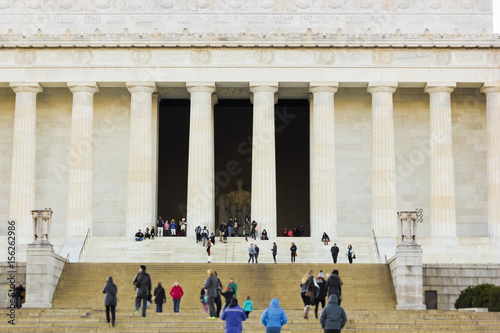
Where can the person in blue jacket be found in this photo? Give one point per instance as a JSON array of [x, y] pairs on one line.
[[274, 317], [234, 316]]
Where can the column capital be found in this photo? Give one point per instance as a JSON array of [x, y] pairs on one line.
[[434, 87], [315, 87], [33, 87], [491, 87], [271, 87], [90, 87], [141, 86], [215, 99], [208, 87], [375, 87]]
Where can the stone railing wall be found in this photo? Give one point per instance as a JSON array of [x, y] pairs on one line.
[[449, 280]]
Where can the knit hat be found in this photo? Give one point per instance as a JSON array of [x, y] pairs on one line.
[[320, 274]]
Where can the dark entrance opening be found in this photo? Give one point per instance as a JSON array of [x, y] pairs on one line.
[[173, 143], [233, 157], [292, 164], [233, 148], [431, 299]]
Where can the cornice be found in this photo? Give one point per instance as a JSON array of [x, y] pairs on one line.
[[277, 39]]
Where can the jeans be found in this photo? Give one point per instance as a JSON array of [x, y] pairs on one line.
[[138, 239], [177, 302], [230, 229], [159, 307], [17, 302], [204, 240], [144, 304], [250, 258], [256, 258], [112, 307], [273, 329]]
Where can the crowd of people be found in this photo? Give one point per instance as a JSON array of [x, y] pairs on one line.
[[313, 291]]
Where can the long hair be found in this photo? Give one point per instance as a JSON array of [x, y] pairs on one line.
[[210, 272], [304, 279]]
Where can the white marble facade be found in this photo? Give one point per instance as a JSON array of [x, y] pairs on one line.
[[380, 74]]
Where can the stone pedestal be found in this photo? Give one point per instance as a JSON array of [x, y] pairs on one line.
[[43, 269], [406, 270], [264, 210], [201, 162], [322, 160]]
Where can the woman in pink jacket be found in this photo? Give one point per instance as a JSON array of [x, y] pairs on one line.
[[176, 293]]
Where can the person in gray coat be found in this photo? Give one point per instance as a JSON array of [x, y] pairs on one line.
[[142, 283], [333, 317], [211, 292], [110, 300]]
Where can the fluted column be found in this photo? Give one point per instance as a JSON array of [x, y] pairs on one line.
[[201, 163], [323, 189], [140, 162], [22, 184], [492, 91], [81, 176], [264, 157], [442, 182], [384, 219]]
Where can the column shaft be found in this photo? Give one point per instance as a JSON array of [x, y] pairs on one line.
[[442, 182], [384, 220], [492, 91], [201, 163], [140, 173], [322, 161], [264, 158], [81, 177], [22, 185]]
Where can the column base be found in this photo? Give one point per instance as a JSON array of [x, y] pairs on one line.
[[418, 307], [37, 305]]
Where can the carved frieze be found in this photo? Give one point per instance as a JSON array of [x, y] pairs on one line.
[[382, 57], [25, 57], [82, 57], [200, 57]]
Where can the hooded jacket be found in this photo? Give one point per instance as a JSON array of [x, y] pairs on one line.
[[274, 316], [333, 317], [234, 316], [110, 289]]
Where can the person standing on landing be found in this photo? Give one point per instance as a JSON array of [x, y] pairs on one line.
[[256, 251], [159, 226], [335, 252], [350, 253], [275, 251], [274, 317], [110, 300], [251, 253], [293, 252]]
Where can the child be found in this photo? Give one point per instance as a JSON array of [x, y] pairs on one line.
[[248, 306], [228, 295], [204, 300]]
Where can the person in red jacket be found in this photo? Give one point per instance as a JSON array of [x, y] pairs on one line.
[[176, 293]]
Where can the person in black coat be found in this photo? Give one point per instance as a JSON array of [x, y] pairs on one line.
[[218, 301], [110, 300], [18, 289], [334, 284], [335, 252], [159, 297], [142, 283], [320, 298]]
